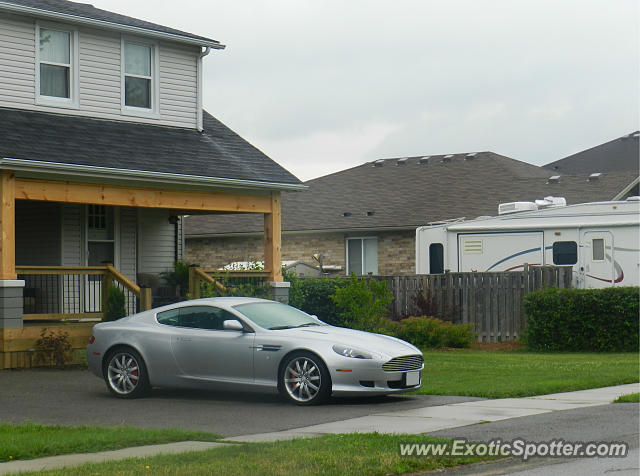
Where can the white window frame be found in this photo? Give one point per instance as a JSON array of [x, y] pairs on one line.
[[154, 94], [362, 239], [74, 73]]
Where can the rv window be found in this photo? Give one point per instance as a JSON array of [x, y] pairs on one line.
[[597, 247], [436, 258], [565, 252]]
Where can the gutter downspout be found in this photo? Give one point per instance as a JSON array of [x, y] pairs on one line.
[[202, 54]]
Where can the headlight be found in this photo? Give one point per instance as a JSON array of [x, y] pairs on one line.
[[346, 351]]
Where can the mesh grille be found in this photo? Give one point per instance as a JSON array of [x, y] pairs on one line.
[[400, 364]]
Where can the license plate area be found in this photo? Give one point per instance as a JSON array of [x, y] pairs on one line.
[[411, 379]]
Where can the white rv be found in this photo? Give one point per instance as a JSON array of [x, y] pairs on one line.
[[601, 241]]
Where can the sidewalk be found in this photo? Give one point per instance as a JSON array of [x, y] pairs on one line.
[[417, 421]]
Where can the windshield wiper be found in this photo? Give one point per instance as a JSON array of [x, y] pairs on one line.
[[308, 324], [293, 327]]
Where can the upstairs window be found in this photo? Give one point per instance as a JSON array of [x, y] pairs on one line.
[[138, 75], [55, 68]]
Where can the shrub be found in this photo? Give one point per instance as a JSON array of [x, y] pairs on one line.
[[458, 335], [362, 300], [249, 289], [313, 296], [178, 277], [115, 306], [53, 348], [583, 319], [423, 332]]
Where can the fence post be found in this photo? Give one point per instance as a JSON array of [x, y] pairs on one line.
[[107, 281], [194, 282], [145, 298]]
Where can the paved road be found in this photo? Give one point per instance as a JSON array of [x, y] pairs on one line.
[[77, 397], [615, 422]]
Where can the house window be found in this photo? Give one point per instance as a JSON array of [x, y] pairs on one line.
[[56, 68], [138, 75], [362, 255], [597, 249], [565, 252], [436, 258]]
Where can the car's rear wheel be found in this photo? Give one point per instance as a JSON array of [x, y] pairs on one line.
[[125, 373], [304, 379]]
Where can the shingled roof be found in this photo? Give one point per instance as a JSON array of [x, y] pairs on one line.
[[403, 193], [617, 155], [217, 152], [86, 11]]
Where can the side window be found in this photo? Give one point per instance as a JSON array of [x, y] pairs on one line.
[[204, 317], [436, 258], [169, 318], [597, 249], [565, 252]]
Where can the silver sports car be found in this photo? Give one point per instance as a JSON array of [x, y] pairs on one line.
[[248, 343]]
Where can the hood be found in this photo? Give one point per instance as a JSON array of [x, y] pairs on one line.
[[377, 343]]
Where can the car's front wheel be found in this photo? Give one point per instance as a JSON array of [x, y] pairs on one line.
[[125, 373], [304, 379]]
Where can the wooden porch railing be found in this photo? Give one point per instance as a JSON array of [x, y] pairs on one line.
[[197, 276], [54, 293]]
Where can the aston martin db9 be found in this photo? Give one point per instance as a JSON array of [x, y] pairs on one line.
[[247, 343]]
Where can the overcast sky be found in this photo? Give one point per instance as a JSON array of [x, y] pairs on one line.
[[325, 85]]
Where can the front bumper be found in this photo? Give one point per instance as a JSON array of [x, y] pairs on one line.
[[372, 380]]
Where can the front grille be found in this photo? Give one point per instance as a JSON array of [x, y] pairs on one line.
[[401, 364]]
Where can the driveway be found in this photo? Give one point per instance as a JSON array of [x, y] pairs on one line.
[[77, 397]]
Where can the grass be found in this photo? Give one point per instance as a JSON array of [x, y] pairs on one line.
[[629, 398], [30, 440], [521, 373], [339, 455]]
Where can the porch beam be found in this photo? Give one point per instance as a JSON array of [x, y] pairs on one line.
[[273, 239], [98, 194], [7, 225]]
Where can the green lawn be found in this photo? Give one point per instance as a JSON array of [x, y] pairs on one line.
[[520, 373], [629, 398], [339, 455], [29, 440]]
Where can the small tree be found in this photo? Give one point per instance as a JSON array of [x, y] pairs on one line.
[[115, 306]]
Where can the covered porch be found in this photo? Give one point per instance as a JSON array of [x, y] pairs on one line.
[[64, 290]]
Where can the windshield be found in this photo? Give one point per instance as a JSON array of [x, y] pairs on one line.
[[274, 315]]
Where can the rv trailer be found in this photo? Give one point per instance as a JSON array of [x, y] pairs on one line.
[[600, 241]]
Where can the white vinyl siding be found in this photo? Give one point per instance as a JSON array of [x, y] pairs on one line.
[[72, 235], [99, 69], [128, 233], [156, 241]]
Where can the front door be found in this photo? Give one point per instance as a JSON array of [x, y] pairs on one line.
[[204, 350], [597, 259], [100, 249]]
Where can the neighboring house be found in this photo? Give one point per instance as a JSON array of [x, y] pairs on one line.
[[364, 219], [621, 154], [104, 145]]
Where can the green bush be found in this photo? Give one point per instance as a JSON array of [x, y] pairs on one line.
[[603, 320], [313, 296], [178, 277], [423, 332], [360, 301], [458, 335], [249, 289], [115, 306]]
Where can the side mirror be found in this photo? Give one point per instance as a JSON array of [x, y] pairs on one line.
[[313, 316], [232, 325]]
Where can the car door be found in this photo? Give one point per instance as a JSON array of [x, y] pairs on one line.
[[204, 350]]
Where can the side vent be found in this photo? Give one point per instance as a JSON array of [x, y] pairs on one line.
[[472, 247]]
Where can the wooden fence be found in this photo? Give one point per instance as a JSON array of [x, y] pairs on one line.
[[492, 302]]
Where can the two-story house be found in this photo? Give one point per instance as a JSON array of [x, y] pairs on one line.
[[104, 145]]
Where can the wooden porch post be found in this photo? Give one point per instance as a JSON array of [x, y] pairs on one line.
[[7, 225], [273, 239]]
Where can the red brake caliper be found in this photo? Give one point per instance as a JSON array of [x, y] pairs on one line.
[[293, 384]]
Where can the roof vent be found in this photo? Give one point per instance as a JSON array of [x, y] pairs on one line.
[[346, 214], [369, 213], [553, 179], [470, 156], [514, 207], [378, 163], [402, 161], [424, 160], [550, 201], [594, 177], [633, 198], [447, 158]]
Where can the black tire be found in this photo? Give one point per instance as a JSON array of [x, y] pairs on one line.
[[125, 373], [311, 386]]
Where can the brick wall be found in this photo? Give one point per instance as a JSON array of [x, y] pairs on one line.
[[396, 250]]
